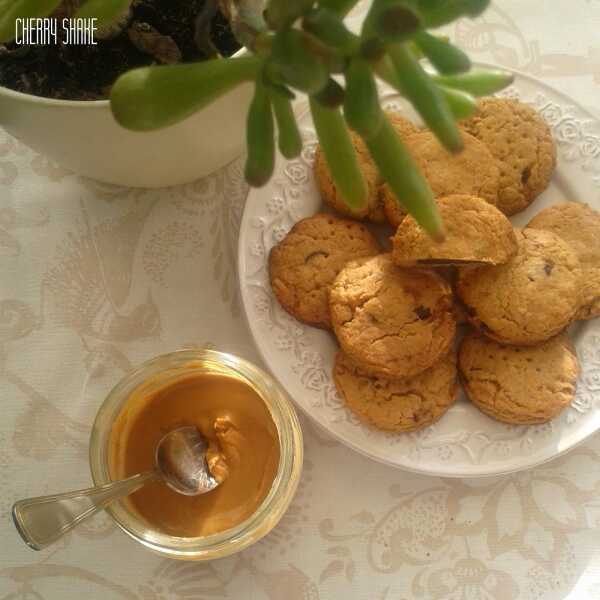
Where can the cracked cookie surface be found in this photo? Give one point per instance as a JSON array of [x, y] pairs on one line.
[[519, 385], [397, 405], [521, 141], [531, 298], [476, 232], [305, 263], [579, 225], [392, 322], [474, 171], [373, 210]]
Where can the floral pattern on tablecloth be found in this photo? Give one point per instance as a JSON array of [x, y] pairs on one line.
[[96, 279]]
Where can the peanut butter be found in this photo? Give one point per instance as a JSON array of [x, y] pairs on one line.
[[243, 450]]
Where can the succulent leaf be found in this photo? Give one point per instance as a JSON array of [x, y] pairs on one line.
[[339, 153], [11, 10], [445, 57], [154, 97]]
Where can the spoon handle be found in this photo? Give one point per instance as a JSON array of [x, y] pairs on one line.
[[43, 520]]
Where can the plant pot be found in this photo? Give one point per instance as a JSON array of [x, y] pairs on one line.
[[84, 137]]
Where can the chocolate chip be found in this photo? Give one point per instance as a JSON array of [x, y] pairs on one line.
[[422, 312], [485, 328], [525, 175], [314, 254], [548, 266], [470, 310]]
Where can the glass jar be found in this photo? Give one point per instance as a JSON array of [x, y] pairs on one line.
[[286, 479]]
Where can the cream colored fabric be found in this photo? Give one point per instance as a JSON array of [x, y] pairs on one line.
[[95, 279]]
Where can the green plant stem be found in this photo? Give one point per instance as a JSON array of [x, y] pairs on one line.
[[425, 96], [362, 107], [330, 29], [153, 97], [260, 138], [339, 154], [333, 59], [332, 95], [391, 20], [295, 63], [462, 104], [290, 140], [406, 182]]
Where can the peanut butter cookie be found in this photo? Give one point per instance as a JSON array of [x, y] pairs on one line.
[[391, 322], [476, 233], [519, 385], [579, 225], [521, 141], [373, 210], [474, 171], [401, 124], [397, 405], [305, 263], [393, 210], [531, 298]]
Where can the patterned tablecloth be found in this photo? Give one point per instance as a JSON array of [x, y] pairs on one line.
[[95, 279]]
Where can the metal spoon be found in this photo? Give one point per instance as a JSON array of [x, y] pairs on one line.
[[180, 462]]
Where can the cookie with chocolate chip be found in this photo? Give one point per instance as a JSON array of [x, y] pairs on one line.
[[391, 322], [476, 233], [519, 385], [397, 405], [305, 263], [531, 298], [579, 225], [522, 144]]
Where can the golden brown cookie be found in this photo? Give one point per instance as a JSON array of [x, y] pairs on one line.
[[476, 233], [401, 124], [579, 225], [519, 385], [521, 141], [373, 210], [474, 171], [393, 210], [531, 298], [391, 322], [397, 405], [305, 263]]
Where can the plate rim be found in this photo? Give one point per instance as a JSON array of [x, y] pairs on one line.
[[475, 473]]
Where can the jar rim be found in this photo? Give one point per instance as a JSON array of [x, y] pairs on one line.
[[284, 484]]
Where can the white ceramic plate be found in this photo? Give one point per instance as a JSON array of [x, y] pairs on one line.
[[464, 442]]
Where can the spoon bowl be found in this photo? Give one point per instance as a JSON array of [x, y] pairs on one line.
[[181, 461]]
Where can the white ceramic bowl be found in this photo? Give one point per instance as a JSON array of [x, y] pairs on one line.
[[84, 137]]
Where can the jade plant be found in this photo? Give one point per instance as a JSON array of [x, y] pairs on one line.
[[303, 46]]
